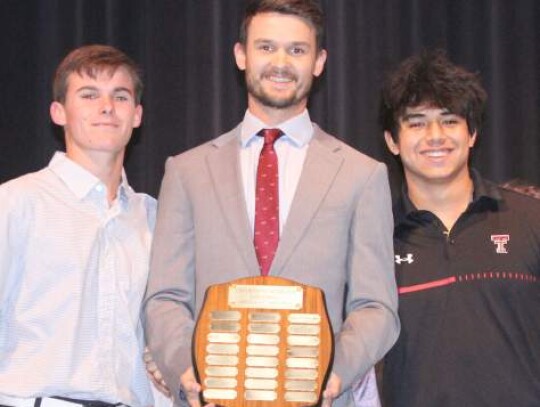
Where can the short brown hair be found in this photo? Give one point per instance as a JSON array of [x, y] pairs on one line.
[[308, 10], [91, 60]]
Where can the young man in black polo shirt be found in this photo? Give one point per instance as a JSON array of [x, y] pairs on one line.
[[467, 253]]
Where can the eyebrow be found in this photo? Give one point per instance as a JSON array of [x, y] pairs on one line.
[[95, 88], [419, 115], [294, 43]]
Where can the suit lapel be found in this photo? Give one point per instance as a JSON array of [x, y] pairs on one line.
[[320, 169], [224, 168]]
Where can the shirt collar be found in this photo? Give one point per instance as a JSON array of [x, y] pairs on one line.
[[299, 129], [484, 192], [80, 181]]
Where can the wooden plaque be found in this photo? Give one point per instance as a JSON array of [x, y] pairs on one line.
[[263, 342]]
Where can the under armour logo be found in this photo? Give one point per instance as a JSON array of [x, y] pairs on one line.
[[409, 258], [500, 243]]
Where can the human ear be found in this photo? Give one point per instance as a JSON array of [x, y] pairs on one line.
[[240, 56], [137, 118], [320, 62], [58, 113], [472, 140], [390, 143]]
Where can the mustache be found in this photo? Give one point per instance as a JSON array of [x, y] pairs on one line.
[[283, 72]]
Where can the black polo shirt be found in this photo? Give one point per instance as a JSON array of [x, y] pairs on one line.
[[469, 305]]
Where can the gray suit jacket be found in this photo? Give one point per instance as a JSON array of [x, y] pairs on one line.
[[338, 236]]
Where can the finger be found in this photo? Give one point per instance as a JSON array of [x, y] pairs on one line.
[[327, 399], [151, 367], [193, 399], [158, 376], [147, 356], [191, 391]]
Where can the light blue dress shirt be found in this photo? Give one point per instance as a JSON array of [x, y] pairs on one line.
[[73, 271], [291, 149]]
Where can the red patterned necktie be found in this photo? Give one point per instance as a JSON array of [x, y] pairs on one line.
[[266, 235]]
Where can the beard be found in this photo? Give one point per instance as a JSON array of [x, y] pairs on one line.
[[256, 89]]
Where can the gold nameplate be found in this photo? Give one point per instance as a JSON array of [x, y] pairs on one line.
[[261, 384], [225, 371], [301, 385], [266, 296], [223, 338], [301, 352], [221, 383], [300, 396], [301, 374], [262, 373], [304, 329], [222, 349], [260, 395], [222, 394], [263, 342], [262, 350]]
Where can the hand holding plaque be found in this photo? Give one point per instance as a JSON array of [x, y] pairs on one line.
[[261, 342]]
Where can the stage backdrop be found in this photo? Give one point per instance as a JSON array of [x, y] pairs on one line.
[[194, 92]]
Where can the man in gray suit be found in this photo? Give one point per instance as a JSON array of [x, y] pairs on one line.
[[335, 221]]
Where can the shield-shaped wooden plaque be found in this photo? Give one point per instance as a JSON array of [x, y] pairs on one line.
[[263, 342]]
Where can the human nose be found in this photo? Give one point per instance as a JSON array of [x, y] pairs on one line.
[[280, 58], [435, 133], [107, 105]]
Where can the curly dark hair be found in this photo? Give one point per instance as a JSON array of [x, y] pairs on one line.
[[308, 10], [430, 78]]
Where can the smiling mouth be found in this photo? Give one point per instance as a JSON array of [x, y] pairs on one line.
[[443, 152], [280, 79]]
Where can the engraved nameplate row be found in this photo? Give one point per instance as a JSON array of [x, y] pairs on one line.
[[257, 344]]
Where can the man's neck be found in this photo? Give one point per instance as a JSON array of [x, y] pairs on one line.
[[104, 166], [272, 116], [446, 200]]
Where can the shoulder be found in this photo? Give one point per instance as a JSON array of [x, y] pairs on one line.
[[195, 156], [518, 212], [25, 187], [354, 161], [520, 204], [20, 197]]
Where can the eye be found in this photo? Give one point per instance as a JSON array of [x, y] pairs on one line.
[[451, 121], [265, 47], [297, 51], [122, 98], [416, 124], [88, 95]]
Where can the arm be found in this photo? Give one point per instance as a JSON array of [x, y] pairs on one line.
[[372, 325], [14, 229], [169, 305]]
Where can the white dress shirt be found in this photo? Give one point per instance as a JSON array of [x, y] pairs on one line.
[[73, 270], [291, 151]]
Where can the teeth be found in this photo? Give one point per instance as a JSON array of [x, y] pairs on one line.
[[280, 79], [436, 153]]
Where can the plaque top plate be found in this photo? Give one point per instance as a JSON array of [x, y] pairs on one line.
[[266, 296]]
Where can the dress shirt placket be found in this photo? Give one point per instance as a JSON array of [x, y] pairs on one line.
[[107, 291]]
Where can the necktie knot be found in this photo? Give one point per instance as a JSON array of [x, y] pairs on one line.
[[270, 135]]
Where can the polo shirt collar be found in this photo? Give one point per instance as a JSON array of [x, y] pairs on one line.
[[484, 192]]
